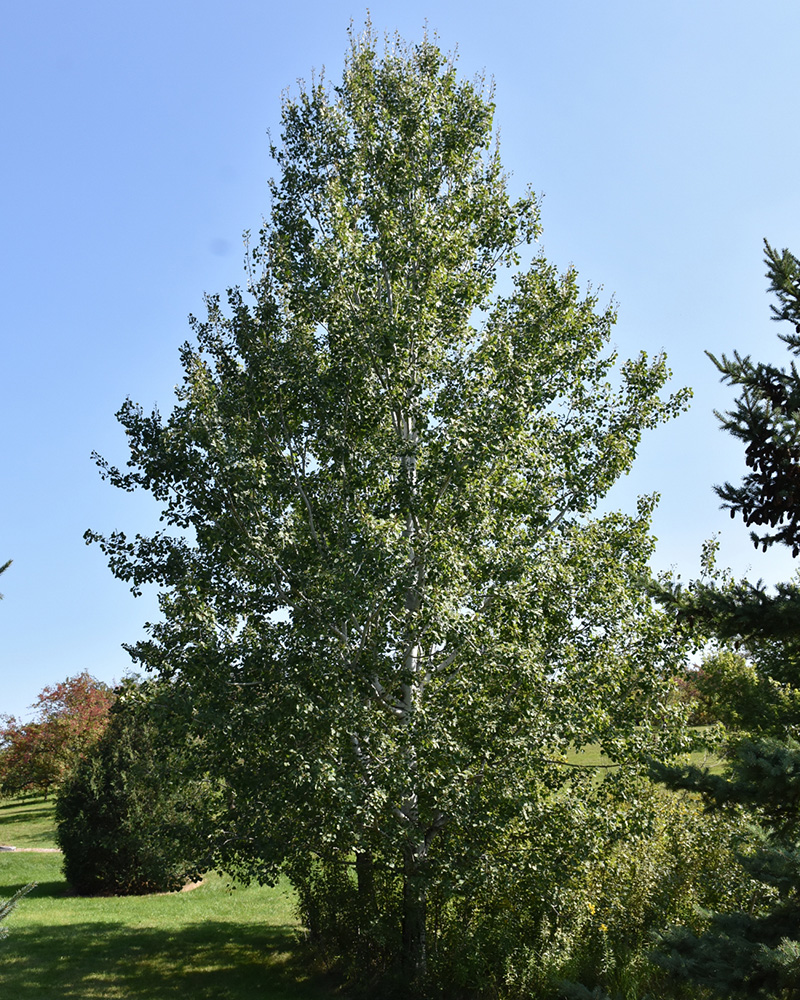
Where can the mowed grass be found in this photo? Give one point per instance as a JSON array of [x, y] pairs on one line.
[[592, 756], [27, 823], [212, 943]]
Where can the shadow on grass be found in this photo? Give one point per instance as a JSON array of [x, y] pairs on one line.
[[43, 890], [28, 816], [212, 960], [22, 801]]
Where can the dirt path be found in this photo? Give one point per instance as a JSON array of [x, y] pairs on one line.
[[32, 850]]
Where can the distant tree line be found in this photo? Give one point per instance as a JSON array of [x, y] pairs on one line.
[[69, 717]]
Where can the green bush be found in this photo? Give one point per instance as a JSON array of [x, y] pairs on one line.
[[566, 904], [351, 909], [130, 818], [572, 912]]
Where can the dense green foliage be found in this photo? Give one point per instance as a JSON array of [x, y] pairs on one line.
[[130, 817], [726, 690], [765, 419], [755, 951], [387, 602], [567, 912]]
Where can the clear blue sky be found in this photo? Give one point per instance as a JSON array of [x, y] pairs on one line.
[[663, 138]]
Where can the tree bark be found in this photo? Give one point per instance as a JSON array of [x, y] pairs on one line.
[[414, 956], [365, 887]]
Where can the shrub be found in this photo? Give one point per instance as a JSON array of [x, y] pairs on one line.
[[351, 909], [582, 906], [565, 905], [129, 818]]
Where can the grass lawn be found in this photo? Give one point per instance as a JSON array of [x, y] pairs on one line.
[[27, 822], [592, 756], [211, 943]]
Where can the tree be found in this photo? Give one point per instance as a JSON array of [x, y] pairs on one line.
[[765, 418], [130, 816], [726, 689], [756, 952], [385, 596], [69, 717], [3, 568]]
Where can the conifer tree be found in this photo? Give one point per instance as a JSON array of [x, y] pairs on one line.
[[131, 815], [7, 906], [757, 953]]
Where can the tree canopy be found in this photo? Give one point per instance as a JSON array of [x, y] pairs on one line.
[[386, 595]]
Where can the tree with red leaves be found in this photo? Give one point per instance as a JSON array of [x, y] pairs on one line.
[[69, 718]]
